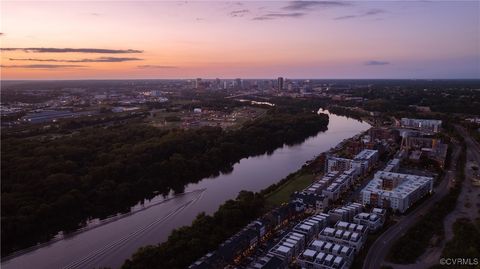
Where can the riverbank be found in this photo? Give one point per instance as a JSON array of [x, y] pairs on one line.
[[100, 222], [251, 174], [212, 228], [120, 166], [300, 180]]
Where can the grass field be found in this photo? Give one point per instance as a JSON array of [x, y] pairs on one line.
[[282, 193]]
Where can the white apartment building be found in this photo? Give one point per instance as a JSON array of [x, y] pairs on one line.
[[395, 190], [423, 124]]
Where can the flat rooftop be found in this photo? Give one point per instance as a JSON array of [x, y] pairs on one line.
[[408, 183]]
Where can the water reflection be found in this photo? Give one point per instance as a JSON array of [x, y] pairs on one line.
[[111, 243]]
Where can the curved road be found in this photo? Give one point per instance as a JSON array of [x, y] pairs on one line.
[[380, 248]]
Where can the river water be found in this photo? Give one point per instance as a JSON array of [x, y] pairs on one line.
[[110, 243]]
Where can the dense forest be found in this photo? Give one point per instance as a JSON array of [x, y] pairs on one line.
[[397, 99], [54, 185], [188, 243]]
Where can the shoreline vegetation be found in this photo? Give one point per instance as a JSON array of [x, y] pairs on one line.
[[58, 185], [188, 243]]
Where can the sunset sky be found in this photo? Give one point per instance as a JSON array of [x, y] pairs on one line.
[[187, 39]]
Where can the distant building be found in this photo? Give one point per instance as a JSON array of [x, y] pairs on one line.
[[392, 166], [100, 96], [438, 153], [473, 120], [239, 83], [422, 124], [156, 93], [280, 83], [425, 146], [198, 83], [414, 142], [362, 162]]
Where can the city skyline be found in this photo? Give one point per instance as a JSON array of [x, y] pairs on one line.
[[296, 39]]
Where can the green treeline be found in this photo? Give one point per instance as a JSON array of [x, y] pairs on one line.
[[348, 112], [188, 243], [55, 185]]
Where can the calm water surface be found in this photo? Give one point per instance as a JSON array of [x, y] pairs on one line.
[[113, 242]]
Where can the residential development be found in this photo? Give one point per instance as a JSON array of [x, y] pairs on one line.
[[316, 230], [395, 190], [422, 124]]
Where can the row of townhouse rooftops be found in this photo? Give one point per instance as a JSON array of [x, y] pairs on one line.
[[340, 242], [315, 243], [340, 175]]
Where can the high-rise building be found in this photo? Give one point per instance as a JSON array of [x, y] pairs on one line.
[[198, 81], [280, 83], [238, 83]]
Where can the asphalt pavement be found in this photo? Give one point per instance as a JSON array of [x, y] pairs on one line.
[[381, 247]]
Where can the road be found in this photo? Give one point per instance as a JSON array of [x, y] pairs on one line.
[[471, 192], [380, 248], [471, 143]]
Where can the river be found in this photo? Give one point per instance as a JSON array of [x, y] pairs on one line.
[[110, 243]]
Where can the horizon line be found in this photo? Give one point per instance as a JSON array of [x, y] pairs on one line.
[[210, 78]]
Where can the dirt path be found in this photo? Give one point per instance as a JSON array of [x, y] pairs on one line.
[[468, 206]]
